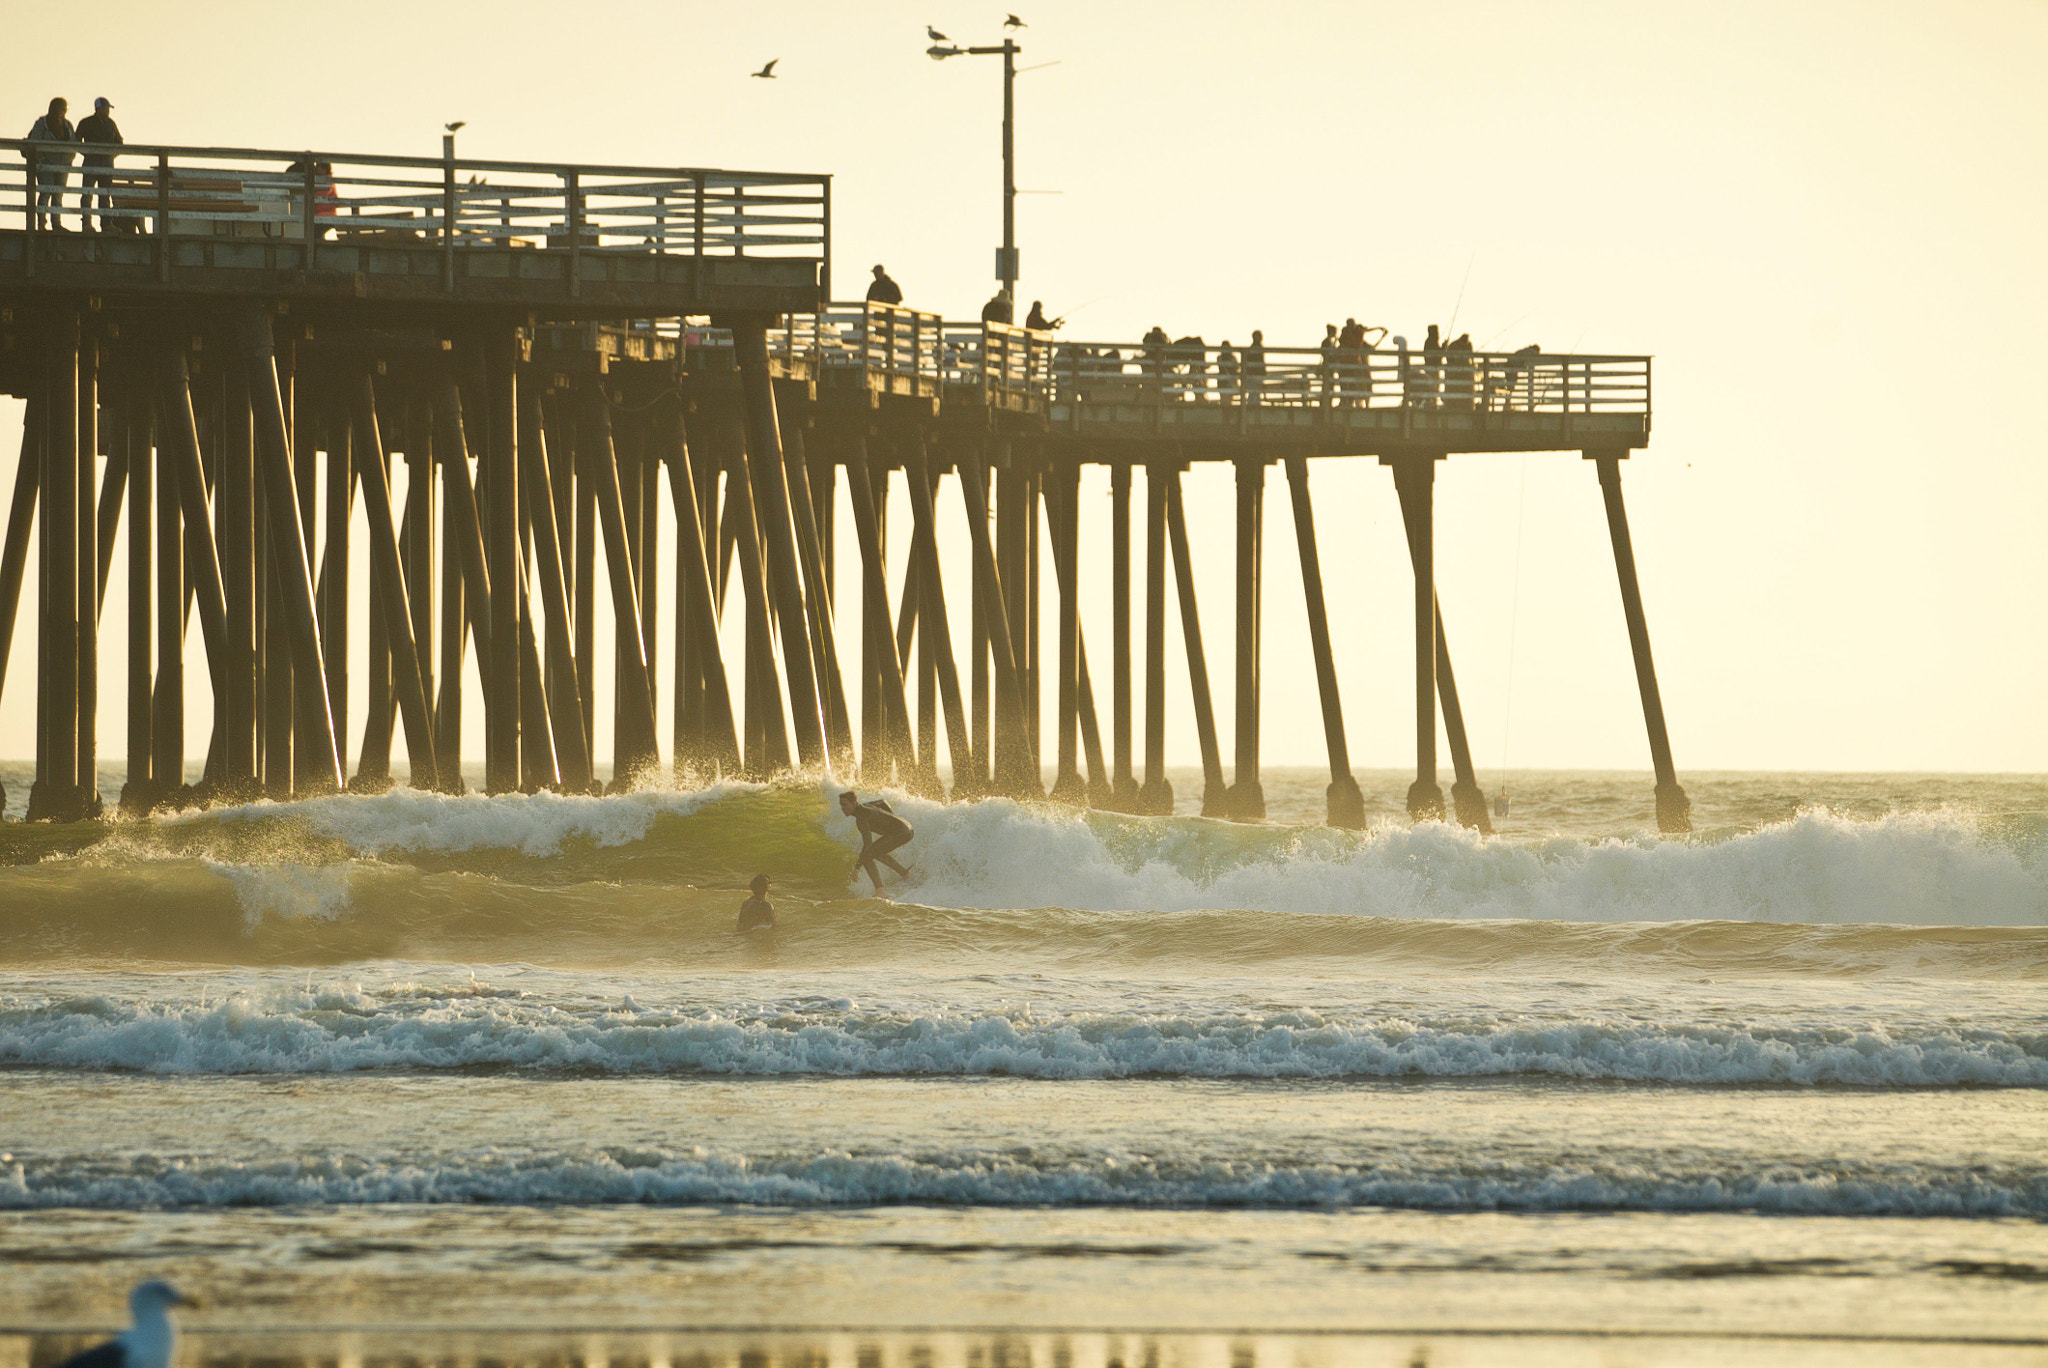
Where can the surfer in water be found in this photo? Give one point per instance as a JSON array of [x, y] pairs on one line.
[[881, 831], [757, 911]]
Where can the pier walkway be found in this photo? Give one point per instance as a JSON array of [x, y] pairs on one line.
[[250, 340]]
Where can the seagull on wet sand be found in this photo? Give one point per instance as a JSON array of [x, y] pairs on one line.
[[935, 35], [1012, 21], [766, 73], [150, 1342]]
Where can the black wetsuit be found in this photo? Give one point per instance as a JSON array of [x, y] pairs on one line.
[[756, 911]]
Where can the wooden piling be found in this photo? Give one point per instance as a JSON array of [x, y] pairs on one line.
[[635, 728], [1345, 804], [139, 794], [86, 774], [1673, 807], [1062, 490], [394, 604], [1124, 792], [1414, 480], [273, 451], [55, 793], [771, 511], [1011, 769], [1247, 801], [1156, 798], [1215, 803], [565, 702], [713, 742], [885, 720], [499, 473]]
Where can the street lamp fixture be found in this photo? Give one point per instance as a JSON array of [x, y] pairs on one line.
[[1006, 255]]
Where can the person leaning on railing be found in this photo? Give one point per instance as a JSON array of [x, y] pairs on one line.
[[99, 129], [49, 171]]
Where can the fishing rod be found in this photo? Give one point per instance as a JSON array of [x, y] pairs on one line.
[[1452, 328]]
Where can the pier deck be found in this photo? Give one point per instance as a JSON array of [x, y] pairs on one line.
[[251, 340]]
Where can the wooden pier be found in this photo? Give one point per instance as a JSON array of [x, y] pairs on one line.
[[249, 341]]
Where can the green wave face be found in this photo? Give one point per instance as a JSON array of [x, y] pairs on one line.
[[658, 877]]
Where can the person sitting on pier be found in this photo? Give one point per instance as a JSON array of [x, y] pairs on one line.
[[1000, 308], [99, 127], [881, 831], [1037, 321], [884, 290], [51, 170], [757, 911]]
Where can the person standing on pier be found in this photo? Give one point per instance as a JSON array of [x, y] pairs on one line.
[[1000, 308], [881, 831], [884, 290], [1226, 372], [51, 170], [1252, 365], [99, 128], [1351, 351], [1329, 350]]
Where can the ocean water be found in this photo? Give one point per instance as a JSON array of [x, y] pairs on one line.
[[405, 1077]]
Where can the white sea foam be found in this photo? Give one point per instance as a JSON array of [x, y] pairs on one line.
[[1927, 868], [698, 1175], [536, 825], [332, 1030]]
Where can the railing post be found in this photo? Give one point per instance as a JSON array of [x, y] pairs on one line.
[[739, 219], [573, 193], [308, 212], [448, 214], [163, 218]]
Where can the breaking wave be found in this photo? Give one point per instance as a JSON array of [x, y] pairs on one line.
[[698, 1175], [407, 1027], [574, 880]]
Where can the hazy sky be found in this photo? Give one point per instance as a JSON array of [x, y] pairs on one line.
[[1823, 220]]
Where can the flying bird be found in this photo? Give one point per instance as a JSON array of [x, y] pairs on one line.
[[935, 35], [150, 1342], [1014, 22], [457, 126], [766, 73]]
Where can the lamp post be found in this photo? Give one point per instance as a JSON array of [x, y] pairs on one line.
[[1006, 255]]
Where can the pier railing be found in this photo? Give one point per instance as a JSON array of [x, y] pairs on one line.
[[1001, 361], [328, 196], [1527, 381]]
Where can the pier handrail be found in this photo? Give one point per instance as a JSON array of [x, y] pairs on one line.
[[253, 192], [1126, 373]]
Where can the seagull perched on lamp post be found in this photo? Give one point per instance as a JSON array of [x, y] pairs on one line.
[[150, 1342], [457, 126], [1012, 21], [935, 35], [766, 73]]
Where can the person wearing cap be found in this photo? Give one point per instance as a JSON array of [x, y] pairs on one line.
[[884, 290], [757, 911], [99, 128], [50, 170]]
